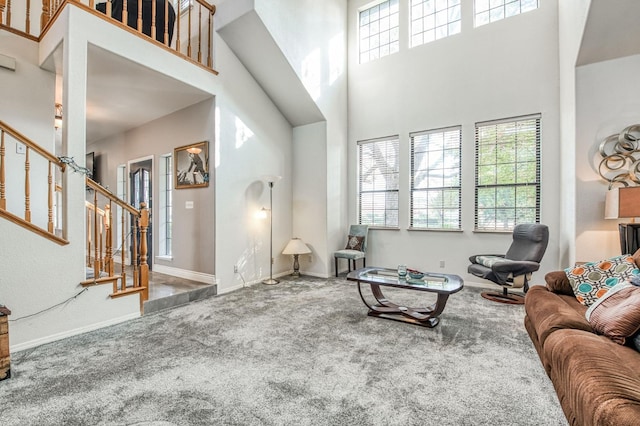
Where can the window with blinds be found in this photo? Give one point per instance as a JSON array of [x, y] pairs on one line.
[[434, 19], [378, 182], [379, 29], [487, 11], [435, 179], [507, 173]]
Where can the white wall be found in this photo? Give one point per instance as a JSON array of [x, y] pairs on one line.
[[572, 15], [253, 140], [504, 69], [193, 230], [312, 35], [606, 104]]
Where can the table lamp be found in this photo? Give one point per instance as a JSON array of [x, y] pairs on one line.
[[296, 247], [625, 203]]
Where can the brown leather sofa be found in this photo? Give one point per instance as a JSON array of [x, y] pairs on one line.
[[597, 380]]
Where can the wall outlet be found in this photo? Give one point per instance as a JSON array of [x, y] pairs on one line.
[[235, 269], [442, 263]]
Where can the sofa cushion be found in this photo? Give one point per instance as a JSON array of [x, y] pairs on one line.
[[549, 312], [592, 280], [558, 282], [617, 313], [597, 381]]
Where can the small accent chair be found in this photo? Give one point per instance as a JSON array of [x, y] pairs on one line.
[[355, 249], [514, 269]]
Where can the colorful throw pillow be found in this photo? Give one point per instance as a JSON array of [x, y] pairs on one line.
[[354, 243], [592, 280], [617, 313]]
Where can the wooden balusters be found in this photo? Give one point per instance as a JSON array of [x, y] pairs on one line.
[[3, 196], [45, 15], [123, 222], [189, 34], [8, 15], [139, 23], [144, 265], [153, 19], [3, 5], [199, 35], [27, 22], [166, 23], [12, 210], [125, 13], [210, 46], [108, 253]]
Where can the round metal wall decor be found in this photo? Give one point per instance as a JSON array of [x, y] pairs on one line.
[[621, 157]]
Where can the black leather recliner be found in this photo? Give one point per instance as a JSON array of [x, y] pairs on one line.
[[513, 269], [132, 16]]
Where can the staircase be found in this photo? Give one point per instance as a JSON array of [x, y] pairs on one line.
[[101, 240]]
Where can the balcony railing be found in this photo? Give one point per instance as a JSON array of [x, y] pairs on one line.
[[187, 33], [26, 163]]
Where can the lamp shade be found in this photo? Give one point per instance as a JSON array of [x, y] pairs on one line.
[[296, 246], [622, 202], [272, 179]]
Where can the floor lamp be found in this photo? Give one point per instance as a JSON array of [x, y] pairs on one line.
[[271, 180]]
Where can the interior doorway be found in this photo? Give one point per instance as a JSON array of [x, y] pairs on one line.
[[141, 191]]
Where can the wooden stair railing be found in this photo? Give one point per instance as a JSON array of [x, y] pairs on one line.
[[103, 245], [47, 165], [195, 24]]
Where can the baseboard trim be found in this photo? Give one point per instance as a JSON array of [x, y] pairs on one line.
[[70, 333], [186, 274], [315, 274]]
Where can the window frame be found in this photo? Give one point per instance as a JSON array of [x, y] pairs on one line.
[[449, 25], [392, 143], [536, 184], [502, 7], [392, 45], [444, 188], [165, 204]]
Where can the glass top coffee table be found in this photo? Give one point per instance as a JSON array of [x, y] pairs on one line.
[[442, 284]]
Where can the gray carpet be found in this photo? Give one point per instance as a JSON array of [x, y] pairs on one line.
[[299, 353]]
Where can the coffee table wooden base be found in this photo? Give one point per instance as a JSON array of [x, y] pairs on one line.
[[425, 317]]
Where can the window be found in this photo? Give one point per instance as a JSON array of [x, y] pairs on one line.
[[165, 212], [435, 179], [378, 182], [507, 173], [494, 10], [434, 19], [379, 31]]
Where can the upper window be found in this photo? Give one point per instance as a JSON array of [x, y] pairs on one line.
[[434, 19], [507, 173], [379, 31], [435, 179], [494, 10], [378, 182]]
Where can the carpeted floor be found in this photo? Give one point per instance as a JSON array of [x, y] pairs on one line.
[[302, 352]]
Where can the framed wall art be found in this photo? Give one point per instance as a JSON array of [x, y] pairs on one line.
[[191, 166]]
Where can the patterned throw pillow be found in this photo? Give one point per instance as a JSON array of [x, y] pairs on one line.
[[592, 280], [617, 313], [354, 243]]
